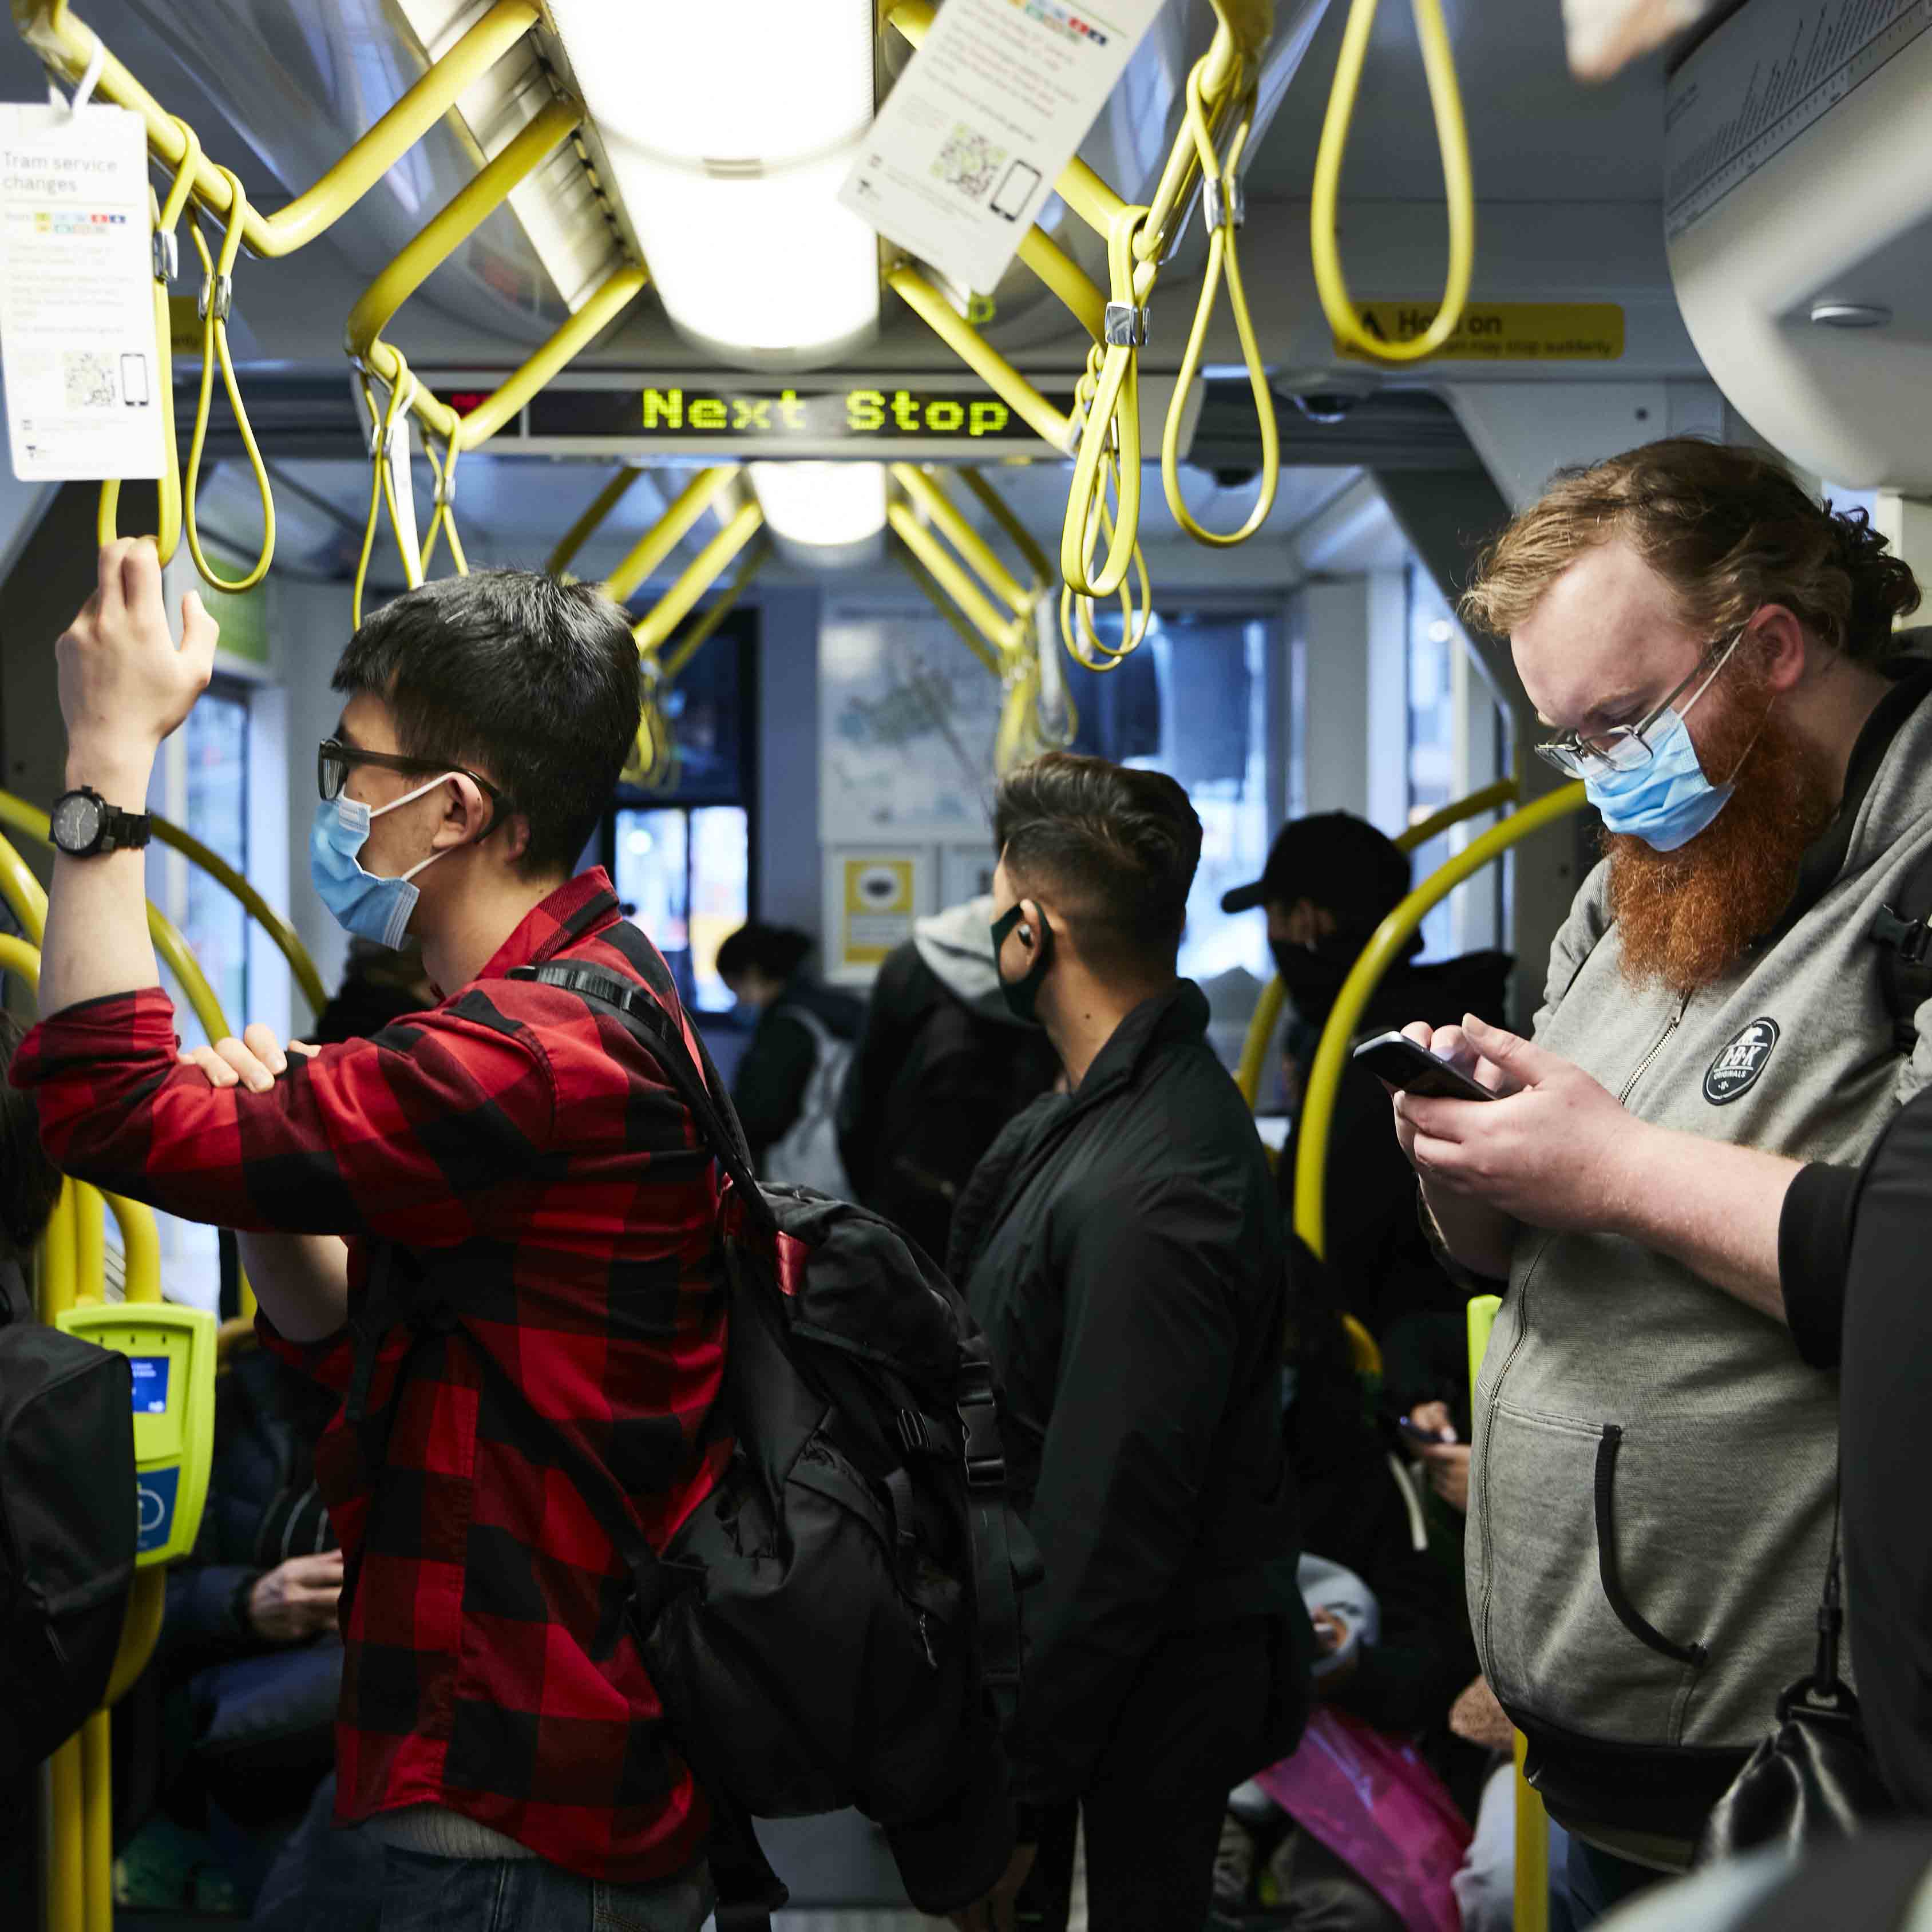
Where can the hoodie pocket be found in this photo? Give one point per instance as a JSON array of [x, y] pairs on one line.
[[1560, 1610]]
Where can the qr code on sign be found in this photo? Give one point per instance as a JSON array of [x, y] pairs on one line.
[[968, 162], [90, 379]]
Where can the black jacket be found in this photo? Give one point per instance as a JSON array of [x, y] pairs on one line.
[[1851, 1249], [1123, 1250], [1375, 1248], [769, 1088]]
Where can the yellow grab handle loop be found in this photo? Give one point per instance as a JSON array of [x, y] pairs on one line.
[[166, 216], [1112, 429], [1458, 182], [214, 299], [1084, 644], [378, 482], [443, 521], [1223, 180]]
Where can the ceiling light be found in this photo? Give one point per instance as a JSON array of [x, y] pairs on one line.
[[1851, 315], [822, 508], [729, 131]]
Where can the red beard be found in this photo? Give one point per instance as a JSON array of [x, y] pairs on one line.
[[1688, 917]]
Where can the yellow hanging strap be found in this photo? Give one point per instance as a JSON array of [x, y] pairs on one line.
[[217, 290], [1221, 203], [167, 258], [1110, 436], [443, 520], [394, 414], [1084, 643], [1458, 182]]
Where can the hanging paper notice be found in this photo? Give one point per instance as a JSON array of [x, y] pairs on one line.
[[76, 295], [976, 130]]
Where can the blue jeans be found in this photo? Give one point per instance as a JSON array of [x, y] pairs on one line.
[[422, 1894], [1599, 1879]]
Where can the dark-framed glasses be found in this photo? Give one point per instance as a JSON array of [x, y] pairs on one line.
[[1627, 748], [334, 761]]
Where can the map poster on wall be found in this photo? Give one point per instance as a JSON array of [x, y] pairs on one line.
[[906, 721], [879, 895]]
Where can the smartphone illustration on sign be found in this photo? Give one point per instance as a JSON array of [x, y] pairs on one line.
[[1016, 190], [134, 381]]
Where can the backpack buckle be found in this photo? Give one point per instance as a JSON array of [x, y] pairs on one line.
[[1910, 939], [912, 1437], [979, 1417]]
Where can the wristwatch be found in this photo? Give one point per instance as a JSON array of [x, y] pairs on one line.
[[84, 825]]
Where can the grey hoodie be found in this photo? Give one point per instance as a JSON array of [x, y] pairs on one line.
[[957, 945], [1651, 1492]]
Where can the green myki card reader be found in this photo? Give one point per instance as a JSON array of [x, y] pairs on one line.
[[171, 1350]]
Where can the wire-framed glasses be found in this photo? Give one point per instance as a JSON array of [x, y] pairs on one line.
[[1627, 748]]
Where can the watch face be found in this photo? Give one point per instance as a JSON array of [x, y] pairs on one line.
[[76, 823]]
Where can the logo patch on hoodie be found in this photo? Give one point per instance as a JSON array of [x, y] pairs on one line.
[[1735, 1072]]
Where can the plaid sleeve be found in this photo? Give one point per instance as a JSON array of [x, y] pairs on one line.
[[416, 1134]]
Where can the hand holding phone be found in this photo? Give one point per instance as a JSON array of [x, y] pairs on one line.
[[1396, 1058]]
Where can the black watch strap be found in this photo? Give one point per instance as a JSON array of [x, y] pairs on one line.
[[115, 830]]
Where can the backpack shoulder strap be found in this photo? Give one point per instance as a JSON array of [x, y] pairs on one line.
[[653, 1029], [1902, 932]]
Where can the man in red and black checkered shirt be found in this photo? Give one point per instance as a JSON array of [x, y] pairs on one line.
[[520, 1159]]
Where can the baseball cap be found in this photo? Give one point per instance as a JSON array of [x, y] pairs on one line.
[[1334, 859]]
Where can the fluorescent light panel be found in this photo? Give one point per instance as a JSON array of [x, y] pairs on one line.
[[729, 126], [822, 504]]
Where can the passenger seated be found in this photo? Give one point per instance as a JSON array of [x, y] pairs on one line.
[[1331, 881], [787, 1085], [940, 1067]]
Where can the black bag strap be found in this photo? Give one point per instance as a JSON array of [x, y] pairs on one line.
[[1902, 932], [701, 1090]]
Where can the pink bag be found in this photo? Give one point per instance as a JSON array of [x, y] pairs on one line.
[[1373, 1802]]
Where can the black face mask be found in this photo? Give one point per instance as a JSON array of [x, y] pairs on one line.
[[1313, 975], [1022, 995]]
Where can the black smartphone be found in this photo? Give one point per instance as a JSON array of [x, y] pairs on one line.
[[1395, 1058], [1423, 1438]]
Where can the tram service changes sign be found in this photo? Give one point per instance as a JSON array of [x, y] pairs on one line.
[[912, 416]]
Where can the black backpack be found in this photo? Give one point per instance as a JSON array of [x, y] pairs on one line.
[[1902, 932], [67, 1526], [962, 1079], [838, 1624]]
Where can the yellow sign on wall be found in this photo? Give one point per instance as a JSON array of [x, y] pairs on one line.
[[879, 896], [1503, 331]]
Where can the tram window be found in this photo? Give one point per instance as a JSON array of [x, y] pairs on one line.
[[201, 782], [1458, 742], [1198, 700], [682, 857]]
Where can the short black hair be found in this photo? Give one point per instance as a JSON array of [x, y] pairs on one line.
[[1115, 848], [778, 952], [30, 1184], [533, 681]]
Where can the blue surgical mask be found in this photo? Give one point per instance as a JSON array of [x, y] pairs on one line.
[[1667, 800], [369, 907]]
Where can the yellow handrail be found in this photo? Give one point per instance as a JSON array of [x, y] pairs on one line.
[[1261, 1030], [680, 517], [987, 649], [606, 500], [1267, 1011], [1002, 632], [25, 895], [653, 631], [927, 494], [67, 45], [701, 633], [288, 941], [1381, 952], [1532, 1820]]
